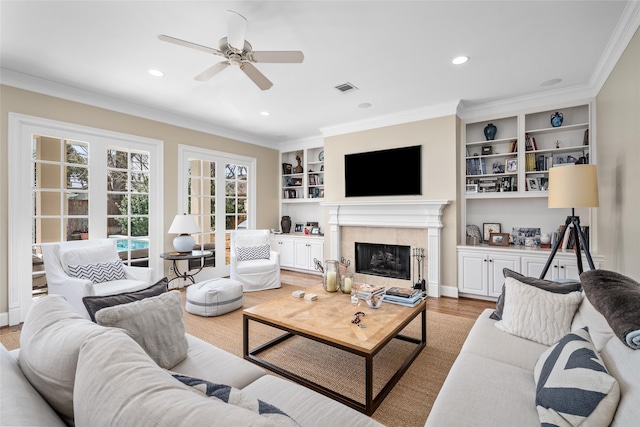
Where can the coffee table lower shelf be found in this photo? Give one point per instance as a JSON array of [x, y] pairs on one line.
[[371, 402]]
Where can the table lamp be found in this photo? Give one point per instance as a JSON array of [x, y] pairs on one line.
[[573, 186], [184, 226]]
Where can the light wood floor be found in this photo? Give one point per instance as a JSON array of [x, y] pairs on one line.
[[462, 307]]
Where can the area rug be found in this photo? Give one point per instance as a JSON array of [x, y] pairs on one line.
[[410, 401]]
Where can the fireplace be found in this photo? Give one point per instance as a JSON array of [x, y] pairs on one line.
[[384, 260], [421, 218]]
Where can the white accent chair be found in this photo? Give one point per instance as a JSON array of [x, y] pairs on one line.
[[254, 274], [58, 257]]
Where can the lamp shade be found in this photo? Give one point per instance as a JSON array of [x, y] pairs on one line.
[[574, 186], [184, 224]]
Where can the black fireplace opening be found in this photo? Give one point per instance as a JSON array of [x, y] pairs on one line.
[[384, 260]]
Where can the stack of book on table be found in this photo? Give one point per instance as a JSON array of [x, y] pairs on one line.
[[403, 296], [365, 291]]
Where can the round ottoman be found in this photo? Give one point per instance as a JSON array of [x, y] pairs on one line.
[[214, 297]]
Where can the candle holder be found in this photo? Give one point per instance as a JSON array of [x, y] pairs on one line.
[[330, 278], [346, 283]]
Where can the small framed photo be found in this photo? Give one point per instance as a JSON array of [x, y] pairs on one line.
[[511, 165], [299, 227], [487, 149], [471, 188], [533, 184], [499, 239], [315, 230], [488, 228]]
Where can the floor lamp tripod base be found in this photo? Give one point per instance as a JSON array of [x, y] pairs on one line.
[[573, 221]]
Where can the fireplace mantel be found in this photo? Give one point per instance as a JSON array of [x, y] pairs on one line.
[[395, 214]]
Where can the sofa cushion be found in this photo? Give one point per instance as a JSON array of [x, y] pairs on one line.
[[236, 397], [617, 297], [547, 285], [20, 403], [573, 385], [117, 384], [536, 314], [253, 252], [95, 303], [49, 345], [155, 323], [306, 406]]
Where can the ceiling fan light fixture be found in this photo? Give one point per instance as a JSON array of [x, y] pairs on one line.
[[459, 60]]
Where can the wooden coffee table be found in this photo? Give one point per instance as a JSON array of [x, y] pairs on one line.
[[328, 320]]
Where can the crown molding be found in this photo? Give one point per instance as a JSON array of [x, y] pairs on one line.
[[401, 117], [70, 93]]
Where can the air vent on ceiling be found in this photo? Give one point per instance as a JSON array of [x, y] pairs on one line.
[[346, 87]]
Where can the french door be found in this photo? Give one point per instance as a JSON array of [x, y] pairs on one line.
[[69, 182]]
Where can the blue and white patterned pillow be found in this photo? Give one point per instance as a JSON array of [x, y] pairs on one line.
[[572, 384], [253, 252], [236, 397], [98, 273]]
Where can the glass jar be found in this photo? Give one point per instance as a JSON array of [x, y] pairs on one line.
[[346, 282], [330, 278]]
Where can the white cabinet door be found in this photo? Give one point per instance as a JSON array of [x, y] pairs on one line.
[[285, 248], [316, 250], [301, 254], [496, 277], [472, 273], [532, 266], [564, 266]]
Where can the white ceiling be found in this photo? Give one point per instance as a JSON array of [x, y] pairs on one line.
[[398, 53]]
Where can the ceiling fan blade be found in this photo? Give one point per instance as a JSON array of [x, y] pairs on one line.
[[210, 72], [273, 57], [256, 76], [185, 43], [236, 30]]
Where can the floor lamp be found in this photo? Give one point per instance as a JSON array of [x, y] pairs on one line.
[[572, 186]]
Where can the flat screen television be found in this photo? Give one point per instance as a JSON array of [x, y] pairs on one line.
[[393, 172]]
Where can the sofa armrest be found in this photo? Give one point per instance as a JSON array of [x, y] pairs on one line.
[[139, 273]]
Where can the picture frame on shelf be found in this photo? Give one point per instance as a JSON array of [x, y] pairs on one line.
[[520, 235], [287, 168], [511, 164], [499, 239], [315, 230], [471, 188], [488, 228], [297, 182], [299, 227], [533, 184], [486, 150]]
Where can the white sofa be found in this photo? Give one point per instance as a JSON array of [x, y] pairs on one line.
[[100, 376], [492, 383]]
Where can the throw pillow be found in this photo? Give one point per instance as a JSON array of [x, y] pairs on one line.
[[253, 252], [617, 298], [573, 385], [98, 273], [95, 303], [155, 323], [236, 397], [536, 314], [50, 342], [547, 285]]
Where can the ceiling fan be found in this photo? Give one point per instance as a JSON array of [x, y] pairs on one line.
[[238, 52]]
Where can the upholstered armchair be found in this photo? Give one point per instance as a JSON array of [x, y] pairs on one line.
[[81, 268], [253, 263]]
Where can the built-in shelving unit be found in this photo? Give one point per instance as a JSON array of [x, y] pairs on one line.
[[302, 175], [505, 182]]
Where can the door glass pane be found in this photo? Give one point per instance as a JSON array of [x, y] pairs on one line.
[[77, 152], [48, 229], [47, 176], [47, 203], [48, 149]]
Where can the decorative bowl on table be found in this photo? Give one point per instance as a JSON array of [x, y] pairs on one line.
[[374, 301]]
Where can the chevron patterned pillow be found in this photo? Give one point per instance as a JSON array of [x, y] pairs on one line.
[[98, 273], [253, 252], [573, 385]]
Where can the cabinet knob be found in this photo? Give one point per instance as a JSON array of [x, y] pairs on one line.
[[484, 260], [562, 266], [490, 260], [555, 266]]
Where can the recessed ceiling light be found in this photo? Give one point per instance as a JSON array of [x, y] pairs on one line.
[[156, 73], [460, 60], [550, 82], [364, 105], [264, 113]]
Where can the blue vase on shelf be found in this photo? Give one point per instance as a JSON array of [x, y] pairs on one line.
[[556, 119], [490, 132]]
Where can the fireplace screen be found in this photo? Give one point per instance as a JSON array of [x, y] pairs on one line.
[[383, 260]]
